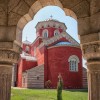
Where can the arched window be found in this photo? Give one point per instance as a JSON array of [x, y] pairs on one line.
[[27, 49], [56, 32], [45, 33], [73, 63]]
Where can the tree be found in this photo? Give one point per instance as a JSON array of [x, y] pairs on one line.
[[59, 88]]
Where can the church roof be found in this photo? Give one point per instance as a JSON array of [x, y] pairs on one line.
[[28, 57], [26, 42], [38, 68], [72, 42], [63, 43], [50, 23], [50, 19]]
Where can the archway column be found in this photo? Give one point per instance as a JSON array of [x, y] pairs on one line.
[[90, 45], [5, 81], [93, 70], [9, 55]]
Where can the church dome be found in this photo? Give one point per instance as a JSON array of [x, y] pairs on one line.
[[50, 28], [50, 23]]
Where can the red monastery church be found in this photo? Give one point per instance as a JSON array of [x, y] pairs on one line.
[[52, 53]]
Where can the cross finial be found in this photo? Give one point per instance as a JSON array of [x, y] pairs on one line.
[[51, 16]]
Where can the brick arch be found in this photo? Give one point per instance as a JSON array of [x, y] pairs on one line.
[[39, 4]]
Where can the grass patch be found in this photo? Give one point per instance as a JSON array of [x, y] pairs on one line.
[[44, 94]]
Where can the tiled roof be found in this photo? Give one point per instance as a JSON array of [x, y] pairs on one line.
[[27, 42], [28, 57], [56, 38]]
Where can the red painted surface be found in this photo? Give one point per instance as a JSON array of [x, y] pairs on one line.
[[40, 56], [22, 67], [28, 64], [58, 63], [35, 44], [19, 79]]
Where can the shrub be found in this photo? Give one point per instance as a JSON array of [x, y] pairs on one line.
[[59, 88], [48, 84]]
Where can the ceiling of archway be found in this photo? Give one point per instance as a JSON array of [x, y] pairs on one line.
[[12, 11], [80, 7], [71, 3]]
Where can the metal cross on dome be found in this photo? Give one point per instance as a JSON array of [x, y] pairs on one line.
[[51, 16]]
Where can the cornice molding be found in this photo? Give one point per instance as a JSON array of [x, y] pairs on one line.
[[50, 24]]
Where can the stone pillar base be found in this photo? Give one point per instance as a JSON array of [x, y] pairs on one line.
[[93, 69], [5, 81]]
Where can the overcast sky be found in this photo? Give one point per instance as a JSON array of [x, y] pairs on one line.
[[29, 30]]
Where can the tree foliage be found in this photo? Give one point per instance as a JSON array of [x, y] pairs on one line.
[[59, 88]]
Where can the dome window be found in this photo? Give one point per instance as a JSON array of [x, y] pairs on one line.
[[45, 33], [27, 49], [42, 26], [53, 25], [56, 32]]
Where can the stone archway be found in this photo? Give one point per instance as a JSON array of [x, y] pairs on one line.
[[34, 9], [14, 14]]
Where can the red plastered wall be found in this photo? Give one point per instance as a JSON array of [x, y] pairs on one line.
[[40, 55], [24, 65], [58, 63], [19, 79], [35, 44], [28, 64]]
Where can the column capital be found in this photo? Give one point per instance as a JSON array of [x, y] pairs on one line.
[[8, 56], [91, 50], [9, 52], [90, 45]]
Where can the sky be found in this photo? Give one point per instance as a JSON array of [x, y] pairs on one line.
[[45, 13]]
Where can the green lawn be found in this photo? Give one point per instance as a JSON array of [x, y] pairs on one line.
[[43, 94]]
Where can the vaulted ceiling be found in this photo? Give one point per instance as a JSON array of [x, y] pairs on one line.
[[12, 10]]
